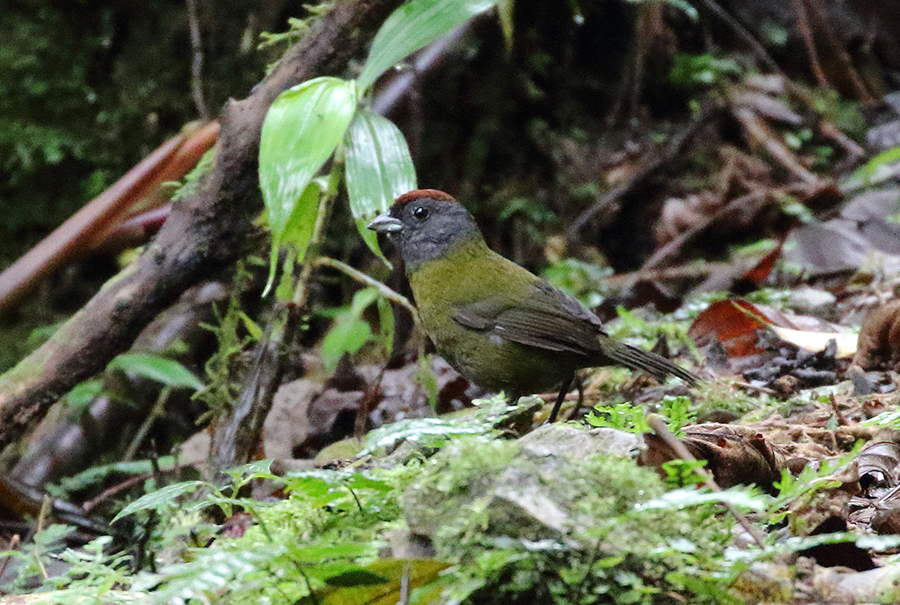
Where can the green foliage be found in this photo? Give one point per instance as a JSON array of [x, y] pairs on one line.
[[166, 371], [323, 535], [379, 169], [412, 26], [627, 417], [584, 281], [680, 473], [690, 71], [234, 332], [97, 474], [635, 326], [621, 536], [296, 29], [350, 331], [434, 433], [96, 572], [191, 182], [890, 419], [794, 492], [47, 542], [84, 393], [622, 416], [879, 168], [302, 129], [841, 111], [616, 550]]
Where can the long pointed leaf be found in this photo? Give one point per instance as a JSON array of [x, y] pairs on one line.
[[302, 129], [379, 168], [412, 26]]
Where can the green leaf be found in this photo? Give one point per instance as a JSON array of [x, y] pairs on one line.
[[380, 583], [302, 221], [160, 498], [348, 335], [96, 474], [412, 26], [362, 299], [298, 232], [379, 169], [878, 166], [83, 393], [258, 469], [302, 129], [161, 369]]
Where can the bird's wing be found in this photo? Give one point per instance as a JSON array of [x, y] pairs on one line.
[[547, 319]]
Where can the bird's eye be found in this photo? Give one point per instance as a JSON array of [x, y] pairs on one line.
[[420, 213]]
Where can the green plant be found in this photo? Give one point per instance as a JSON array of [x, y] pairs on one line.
[[690, 71], [350, 331], [326, 118], [312, 121], [631, 418]]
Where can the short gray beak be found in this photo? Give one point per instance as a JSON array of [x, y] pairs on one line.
[[385, 223]]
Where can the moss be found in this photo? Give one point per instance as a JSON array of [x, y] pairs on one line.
[[573, 531]]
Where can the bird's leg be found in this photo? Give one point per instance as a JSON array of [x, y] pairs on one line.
[[563, 389], [579, 386]]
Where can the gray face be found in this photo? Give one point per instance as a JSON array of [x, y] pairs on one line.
[[424, 229]]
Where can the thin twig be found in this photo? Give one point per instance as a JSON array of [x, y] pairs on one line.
[[759, 132], [155, 413], [658, 424], [810, 43], [46, 507], [842, 420], [197, 62], [843, 56], [386, 291], [742, 32]]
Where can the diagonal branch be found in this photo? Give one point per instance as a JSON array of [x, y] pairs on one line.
[[203, 234]]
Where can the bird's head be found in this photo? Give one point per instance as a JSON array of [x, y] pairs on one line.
[[426, 224]]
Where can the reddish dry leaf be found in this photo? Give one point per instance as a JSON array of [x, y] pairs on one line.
[[737, 328]]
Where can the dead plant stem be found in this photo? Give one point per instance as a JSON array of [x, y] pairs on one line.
[[659, 426]]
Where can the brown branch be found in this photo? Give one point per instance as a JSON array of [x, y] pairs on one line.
[[859, 87], [757, 131], [810, 43], [203, 234], [87, 227]]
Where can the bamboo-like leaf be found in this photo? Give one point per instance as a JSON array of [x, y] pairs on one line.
[[302, 221], [382, 582], [379, 168], [304, 126], [412, 26], [161, 369], [160, 498]]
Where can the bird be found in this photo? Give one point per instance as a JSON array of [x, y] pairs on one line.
[[499, 325]]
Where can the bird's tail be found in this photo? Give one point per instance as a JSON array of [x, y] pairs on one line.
[[639, 359]]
